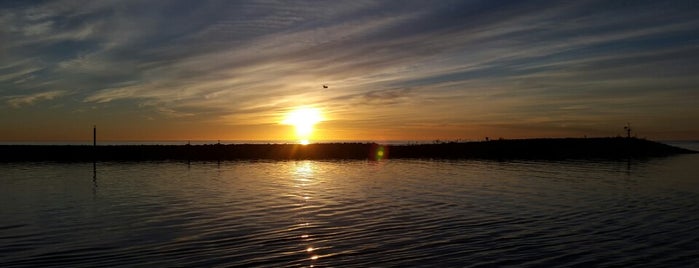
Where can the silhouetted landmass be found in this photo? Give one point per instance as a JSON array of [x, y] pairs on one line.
[[568, 148]]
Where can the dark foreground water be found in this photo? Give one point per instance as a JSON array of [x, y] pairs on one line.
[[398, 213]]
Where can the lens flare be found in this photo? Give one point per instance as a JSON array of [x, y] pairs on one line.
[[378, 152]]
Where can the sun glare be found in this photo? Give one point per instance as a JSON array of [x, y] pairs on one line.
[[303, 120]]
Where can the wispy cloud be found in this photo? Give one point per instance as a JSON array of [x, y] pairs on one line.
[[19, 101], [453, 64]]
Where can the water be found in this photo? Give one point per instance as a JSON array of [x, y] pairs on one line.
[[691, 145], [394, 213]]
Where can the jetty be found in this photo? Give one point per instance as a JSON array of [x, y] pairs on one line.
[[547, 148]]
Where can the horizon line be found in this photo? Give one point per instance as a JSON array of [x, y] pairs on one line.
[[288, 141]]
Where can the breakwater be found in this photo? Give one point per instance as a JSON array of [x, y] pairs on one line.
[[564, 148]]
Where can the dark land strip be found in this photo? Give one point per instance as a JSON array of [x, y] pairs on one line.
[[559, 148]]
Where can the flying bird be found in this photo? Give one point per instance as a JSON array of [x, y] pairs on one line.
[[325, 86]]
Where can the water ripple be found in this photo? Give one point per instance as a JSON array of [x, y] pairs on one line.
[[350, 213]]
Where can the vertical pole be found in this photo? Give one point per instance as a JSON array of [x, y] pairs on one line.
[[94, 158]]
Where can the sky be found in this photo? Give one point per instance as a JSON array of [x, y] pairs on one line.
[[394, 70]]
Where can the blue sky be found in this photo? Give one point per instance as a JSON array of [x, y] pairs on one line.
[[394, 69]]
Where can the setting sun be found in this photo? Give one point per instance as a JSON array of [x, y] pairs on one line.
[[303, 119]]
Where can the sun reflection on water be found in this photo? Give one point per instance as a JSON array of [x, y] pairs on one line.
[[303, 170], [303, 176]]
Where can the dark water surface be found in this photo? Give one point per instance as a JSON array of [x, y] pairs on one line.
[[394, 213]]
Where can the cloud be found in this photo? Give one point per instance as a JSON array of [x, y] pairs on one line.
[[25, 100], [17, 72], [457, 62], [38, 28], [111, 94]]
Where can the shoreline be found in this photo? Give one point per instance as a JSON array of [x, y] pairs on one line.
[[543, 148]]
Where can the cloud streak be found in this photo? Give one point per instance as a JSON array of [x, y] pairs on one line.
[[19, 101], [455, 64]]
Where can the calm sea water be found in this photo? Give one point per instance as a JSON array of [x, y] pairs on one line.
[[395, 213]]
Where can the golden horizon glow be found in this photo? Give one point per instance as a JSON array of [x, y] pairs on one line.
[[405, 80], [303, 119]]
